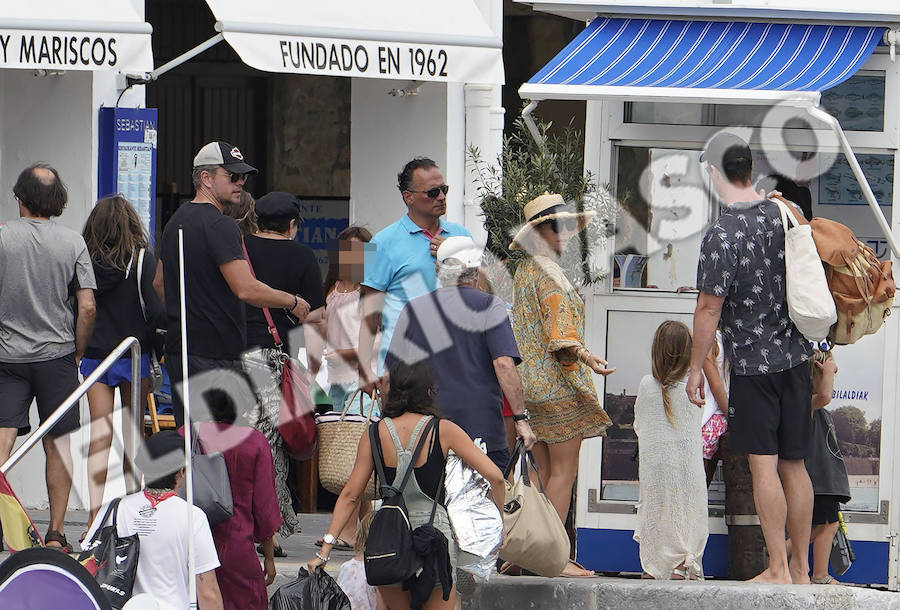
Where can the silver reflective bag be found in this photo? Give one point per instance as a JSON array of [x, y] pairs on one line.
[[476, 521]]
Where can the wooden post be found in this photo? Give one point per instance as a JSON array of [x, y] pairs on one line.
[[308, 483], [746, 545]]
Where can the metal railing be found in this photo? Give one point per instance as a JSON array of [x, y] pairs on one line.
[[81, 390]]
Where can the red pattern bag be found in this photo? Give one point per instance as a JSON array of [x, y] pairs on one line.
[[297, 416]]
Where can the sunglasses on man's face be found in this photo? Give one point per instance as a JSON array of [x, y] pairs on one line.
[[433, 193], [235, 177]]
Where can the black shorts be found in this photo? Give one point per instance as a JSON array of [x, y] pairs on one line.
[[825, 509], [500, 458], [49, 383], [196, 365], [771, 414]]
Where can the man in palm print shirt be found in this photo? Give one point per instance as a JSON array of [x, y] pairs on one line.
[[741, 281]]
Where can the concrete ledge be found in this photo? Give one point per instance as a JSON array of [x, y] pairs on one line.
[[523, 592]]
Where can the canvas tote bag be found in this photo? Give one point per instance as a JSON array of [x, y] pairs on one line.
[[809, 300], [536, 539]]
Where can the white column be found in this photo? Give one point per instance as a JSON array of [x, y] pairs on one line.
[[484, 130], [484, 125], [890, 423]]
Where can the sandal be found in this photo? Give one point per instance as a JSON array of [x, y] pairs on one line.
[[277, 551], [341, 545], [828, 579], [60, 539]]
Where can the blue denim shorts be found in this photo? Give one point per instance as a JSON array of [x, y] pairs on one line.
[[120, 372]]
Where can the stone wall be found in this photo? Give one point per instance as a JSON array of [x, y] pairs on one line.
[[309, 148]]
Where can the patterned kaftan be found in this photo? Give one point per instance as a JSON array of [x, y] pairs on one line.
[[548, 315]]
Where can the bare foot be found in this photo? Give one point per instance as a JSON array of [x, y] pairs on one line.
[[573, 570], [799, 575], [768, 576]]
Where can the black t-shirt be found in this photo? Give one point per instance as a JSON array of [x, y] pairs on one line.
[[215, 316], [287, 265]]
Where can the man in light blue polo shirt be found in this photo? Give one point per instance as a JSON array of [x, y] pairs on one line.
[[403, 264]]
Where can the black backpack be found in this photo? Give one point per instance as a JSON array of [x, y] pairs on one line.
[[389, 556]]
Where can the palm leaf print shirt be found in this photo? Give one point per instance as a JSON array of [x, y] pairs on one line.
[[742, 260]]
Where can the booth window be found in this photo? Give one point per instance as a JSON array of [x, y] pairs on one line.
[[858, 103], [666, 209]]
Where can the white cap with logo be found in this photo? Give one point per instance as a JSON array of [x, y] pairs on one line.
[[461, 248]]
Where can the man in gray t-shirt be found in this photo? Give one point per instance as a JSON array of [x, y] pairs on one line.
[[45, 278]]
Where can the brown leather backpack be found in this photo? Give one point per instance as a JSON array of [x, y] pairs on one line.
[[862, 286]]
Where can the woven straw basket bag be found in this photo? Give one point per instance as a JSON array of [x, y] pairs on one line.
[[339, 436]]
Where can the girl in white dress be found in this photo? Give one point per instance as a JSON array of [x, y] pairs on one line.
[[672, 512]]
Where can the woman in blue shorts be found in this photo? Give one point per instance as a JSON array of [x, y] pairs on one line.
[[116, 242]]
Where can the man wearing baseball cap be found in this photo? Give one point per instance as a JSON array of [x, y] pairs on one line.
[[217, 278], [467, 336], [740, 277]]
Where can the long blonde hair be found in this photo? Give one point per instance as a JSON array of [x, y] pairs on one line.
[[671, 356]]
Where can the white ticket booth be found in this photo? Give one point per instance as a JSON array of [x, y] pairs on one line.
[[816, 92]]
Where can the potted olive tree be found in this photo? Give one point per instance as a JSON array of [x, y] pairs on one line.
[[525, 169]]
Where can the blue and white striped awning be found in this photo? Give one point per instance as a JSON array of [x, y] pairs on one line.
[[704, 61]]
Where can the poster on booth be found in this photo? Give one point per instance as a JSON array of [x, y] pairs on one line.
[[134, 177], [856, 407]]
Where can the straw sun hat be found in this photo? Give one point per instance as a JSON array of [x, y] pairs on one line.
[[542, 208]]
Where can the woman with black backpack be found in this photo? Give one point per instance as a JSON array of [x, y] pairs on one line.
[[414, 530]]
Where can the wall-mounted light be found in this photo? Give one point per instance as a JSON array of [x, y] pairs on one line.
[[48, 72], [411, 89]]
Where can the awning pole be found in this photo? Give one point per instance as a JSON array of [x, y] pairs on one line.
[[818, 113], [170, 65], [532, 126]]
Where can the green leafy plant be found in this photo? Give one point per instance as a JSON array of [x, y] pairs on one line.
[[524, 170]]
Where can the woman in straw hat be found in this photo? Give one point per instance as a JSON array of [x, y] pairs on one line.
[[548, 320]]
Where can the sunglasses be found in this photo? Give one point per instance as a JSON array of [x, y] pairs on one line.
[[235, 177], [562, 224], [433, 193]]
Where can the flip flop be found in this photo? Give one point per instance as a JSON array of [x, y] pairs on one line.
[[341, 545], [825, 580], [59, 538]]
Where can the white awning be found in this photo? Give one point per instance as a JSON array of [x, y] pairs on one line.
[[64, 35], [433, 40]]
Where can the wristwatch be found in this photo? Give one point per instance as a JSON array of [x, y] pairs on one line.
[[329, 539], [522, 416]]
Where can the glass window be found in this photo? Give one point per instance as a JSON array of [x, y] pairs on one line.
[[858, 103], [666, 208]]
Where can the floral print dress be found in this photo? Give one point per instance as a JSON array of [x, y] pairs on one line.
[[548, 315]]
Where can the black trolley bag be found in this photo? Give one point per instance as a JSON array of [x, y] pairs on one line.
[[389, 556]]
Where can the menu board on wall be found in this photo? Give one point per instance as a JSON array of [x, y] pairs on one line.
[[857, 103], [839, 186]]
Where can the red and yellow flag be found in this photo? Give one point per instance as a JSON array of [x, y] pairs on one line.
[[19, 531]]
